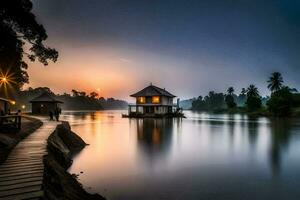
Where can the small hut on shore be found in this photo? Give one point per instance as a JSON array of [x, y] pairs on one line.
[[153, 101], [44, 103]]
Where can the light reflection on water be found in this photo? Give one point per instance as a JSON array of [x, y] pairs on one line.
[[205, 156]]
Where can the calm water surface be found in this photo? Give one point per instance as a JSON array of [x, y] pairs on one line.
[[204, 156]]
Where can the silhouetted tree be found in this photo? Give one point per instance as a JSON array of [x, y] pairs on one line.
[[93, 95], [229, 98], [75, 93], [275, 81], [76, 101], [212, 102], [230, 91], [281, 102], [252, 91], [253, 99], [18, 26], [243, 91]]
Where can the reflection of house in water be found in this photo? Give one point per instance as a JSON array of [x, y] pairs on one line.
[[154, 135]]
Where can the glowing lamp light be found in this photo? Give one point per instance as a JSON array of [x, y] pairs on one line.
[[141, 99], [4, 79], [13, 102], [155, 99], [23, 106]]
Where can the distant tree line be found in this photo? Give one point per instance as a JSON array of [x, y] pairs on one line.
[[282, 101], [77, 100]]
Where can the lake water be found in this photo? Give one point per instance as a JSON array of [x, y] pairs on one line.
[[204, 156]]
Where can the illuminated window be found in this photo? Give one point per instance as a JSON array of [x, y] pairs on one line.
[[141, 99], [155, 99]]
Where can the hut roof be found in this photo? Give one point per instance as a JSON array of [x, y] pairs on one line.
[[45, 97], [152, 90], [3, 99]]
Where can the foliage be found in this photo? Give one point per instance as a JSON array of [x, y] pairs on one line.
[[230, 101], [212, 102], [230, 91], [253, 103], [18, 26], [275, 82], [281, 102], [77, 101], [252, 91], [253, 99]]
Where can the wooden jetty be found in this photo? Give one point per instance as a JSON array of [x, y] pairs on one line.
[[21, 175]]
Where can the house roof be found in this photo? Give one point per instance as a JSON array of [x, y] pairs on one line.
[[3, 99], [45, 97], [152, 90]]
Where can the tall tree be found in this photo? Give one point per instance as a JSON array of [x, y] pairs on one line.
[[253, 99], [252, 91], [229, 98], [230, 91], [243, 91], [275, 81], [18, 26]]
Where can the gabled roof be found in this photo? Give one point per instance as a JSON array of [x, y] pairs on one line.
[[152, 90], [45, 97]]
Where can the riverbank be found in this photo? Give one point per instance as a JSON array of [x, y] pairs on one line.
[[62, 145], [263, 112], [8, 140]]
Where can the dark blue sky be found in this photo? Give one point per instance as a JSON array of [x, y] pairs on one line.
[[189, 46]]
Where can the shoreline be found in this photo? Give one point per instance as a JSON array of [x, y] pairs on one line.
[[58, 183]]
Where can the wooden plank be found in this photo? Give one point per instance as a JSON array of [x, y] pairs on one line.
[[20, 185], [28, 195], [24, 176], [20, 173], [24, 169], [16, 181], [17, 166], [20, 191]]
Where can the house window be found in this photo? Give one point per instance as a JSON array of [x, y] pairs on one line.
[[155, 99], [141, 99]]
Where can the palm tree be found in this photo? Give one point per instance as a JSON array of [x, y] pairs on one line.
[[275, 82], [230, 91], [252, 91], [244, 91]]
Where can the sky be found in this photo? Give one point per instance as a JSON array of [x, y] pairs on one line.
[[189, 47]]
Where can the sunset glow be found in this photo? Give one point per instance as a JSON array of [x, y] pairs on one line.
[[121, 51]]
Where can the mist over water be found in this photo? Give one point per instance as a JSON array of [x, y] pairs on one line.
[[204, 156]]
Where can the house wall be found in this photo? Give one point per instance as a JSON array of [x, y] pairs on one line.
[[163, 100], [43, 108], [166, 100]]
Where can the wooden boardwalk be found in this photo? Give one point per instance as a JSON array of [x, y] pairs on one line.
[[21, 175]]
